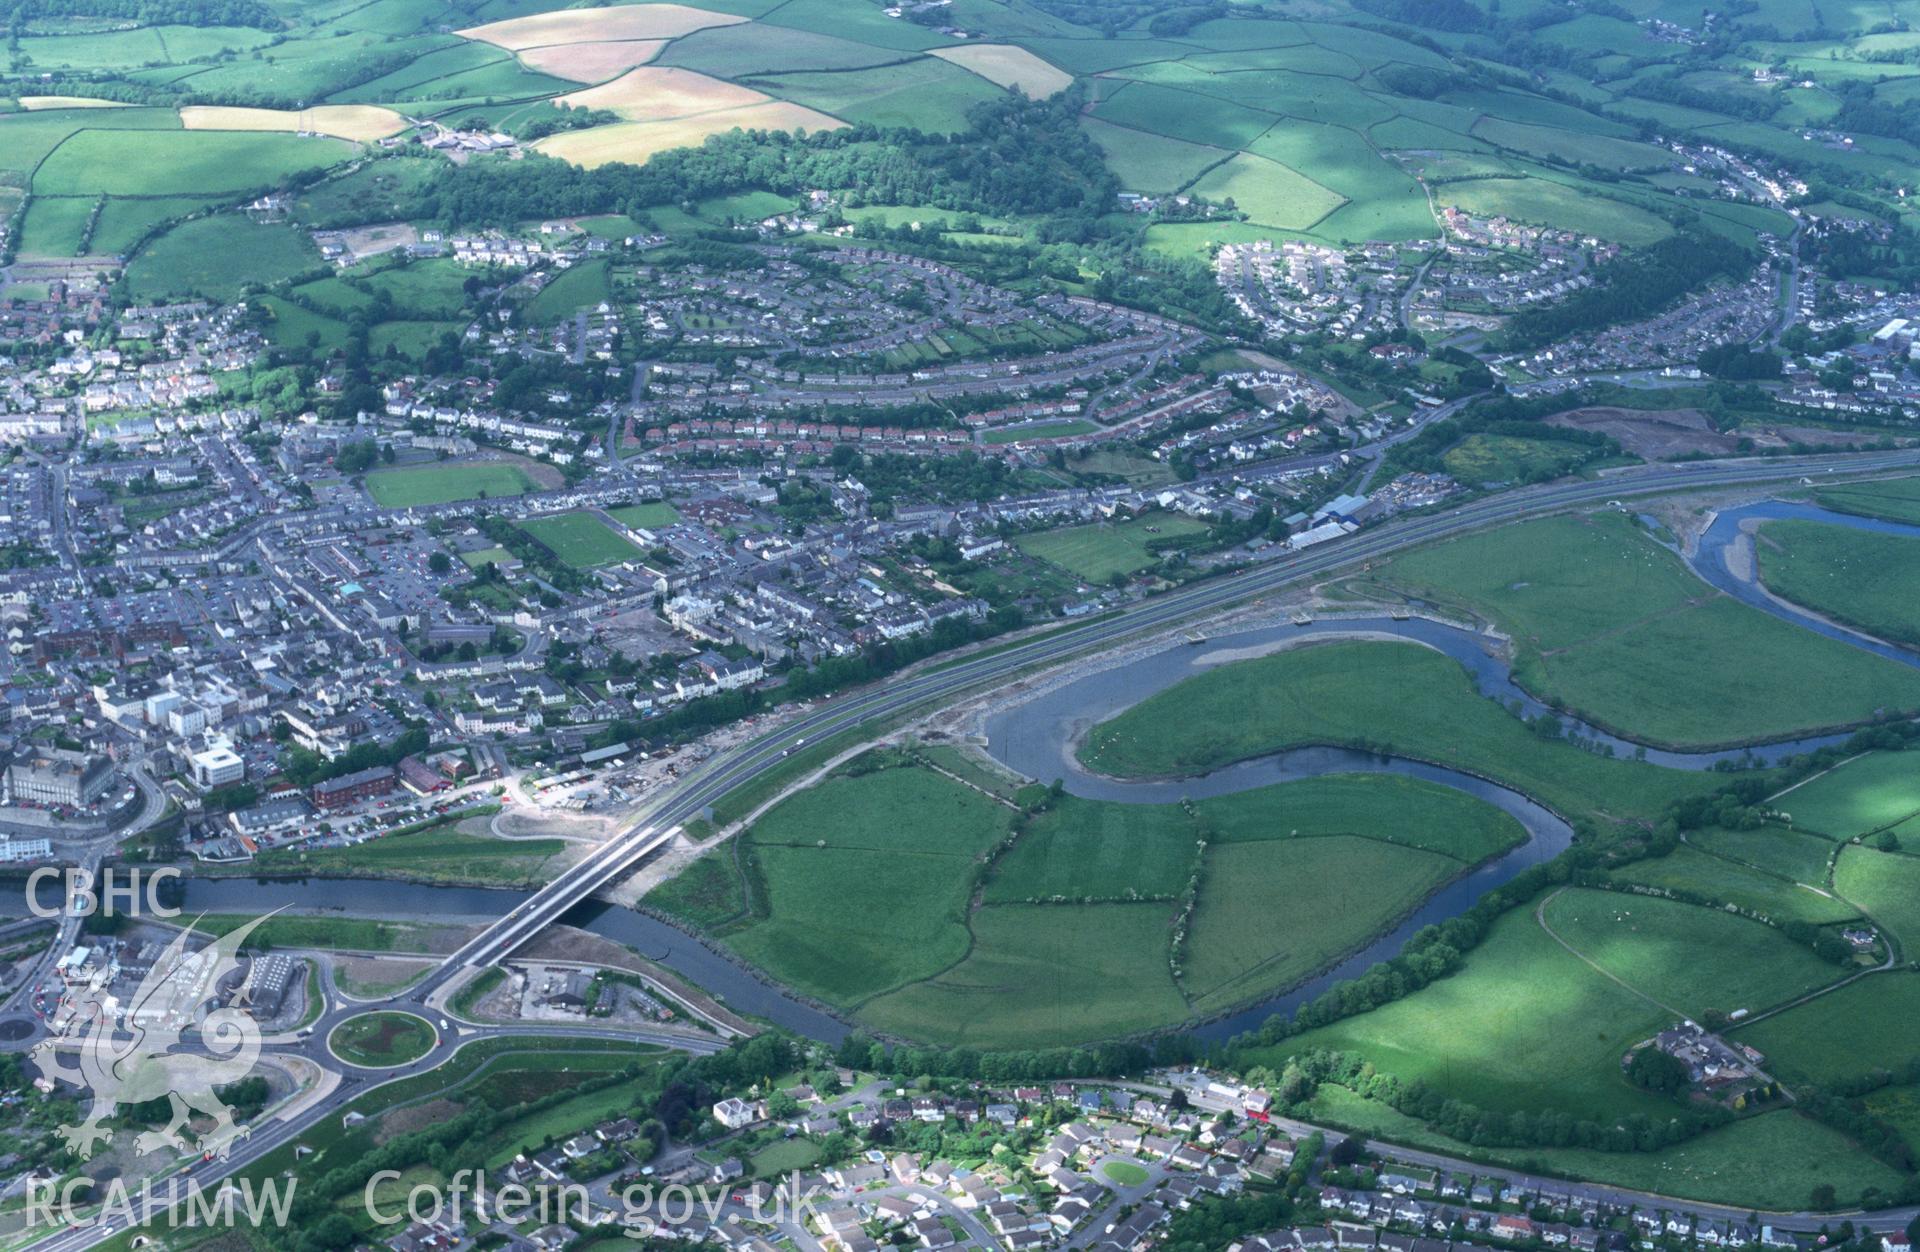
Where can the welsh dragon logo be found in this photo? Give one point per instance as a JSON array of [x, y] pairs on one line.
[[126, 1055]]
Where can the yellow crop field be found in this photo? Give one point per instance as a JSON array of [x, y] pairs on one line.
[[362, 122], [591, 62], [1008, 66], [659, 93], [626, 21], [634, 142], [68, 102]]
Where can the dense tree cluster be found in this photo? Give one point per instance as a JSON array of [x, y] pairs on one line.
[[1016, 156], [1736, 362], [1485, 1128], [1633, 285], [1104, 1060], [148, 12], [303, 768], [1456, 17]]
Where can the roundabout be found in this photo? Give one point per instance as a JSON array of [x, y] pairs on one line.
[[386, 1039]]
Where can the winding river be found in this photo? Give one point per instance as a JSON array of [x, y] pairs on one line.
[[1038, 736]]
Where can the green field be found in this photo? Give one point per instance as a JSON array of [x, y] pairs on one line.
[[1862, 1027], [1553, 204], [1798, 857], [1863, 579], [1608, 624], [1886, 886], [582, 286], [648, 516], [707, 894], [1103, 550], [1363, 694], [1042, 975], [1690, 958], [180, 163], [1269, 193], [580, 539], [438, 484], [218, 258], [861, 890], [440, 854], [1866, 794], [381, 1040], [1727, 880], [1528, 1024], [858, 901], [1774, 1159], [1525, 1025], [1150, 163], [1334, 892]]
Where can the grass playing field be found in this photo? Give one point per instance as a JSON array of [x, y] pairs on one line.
[[580, 539], [1863, 579], [438, 484], [646, 516], [1099, 551]]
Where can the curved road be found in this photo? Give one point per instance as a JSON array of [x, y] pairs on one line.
[[745, 764]]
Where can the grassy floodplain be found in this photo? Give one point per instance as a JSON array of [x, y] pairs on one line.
[[1863, 579], [1394, 696], [937, 927], [1896, 500], [1610, 625]]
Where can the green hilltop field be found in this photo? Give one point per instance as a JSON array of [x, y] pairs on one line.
[[1356, 123]]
